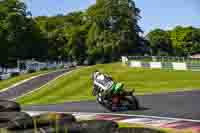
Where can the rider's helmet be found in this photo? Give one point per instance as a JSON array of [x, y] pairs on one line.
[[95, 74]]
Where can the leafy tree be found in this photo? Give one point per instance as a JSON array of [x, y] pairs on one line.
[[114, 31], [3, 47], [160, 42], [57, 45], [21, 38], [76, 44], [185, 40], [63, 35], [12, 13]]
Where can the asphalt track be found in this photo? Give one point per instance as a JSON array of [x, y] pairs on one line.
[[29, 85], [185, 105]]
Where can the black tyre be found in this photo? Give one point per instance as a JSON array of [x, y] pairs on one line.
[[94, 126], [133, 103], [45, 129], [15, 120], [9, 106], [45, 123]]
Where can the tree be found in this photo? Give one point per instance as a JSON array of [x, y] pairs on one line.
[[12, 13], [65, 37], [185, 40], [160, 42], [3, 47], [57, 45], [23, 39], [76, 35], [114, 30]]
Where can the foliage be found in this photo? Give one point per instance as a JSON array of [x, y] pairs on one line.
[[104, 32], [180, 41], [20, 36], [107, 30], [114, 30], [186, 40], [160, 42]]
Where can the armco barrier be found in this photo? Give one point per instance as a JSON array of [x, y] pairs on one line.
[[156, 65], [159, 65], [5, 76], [167, 66], [193, 67], [145, 64], [137, 64], [179, 66], [162, 65]]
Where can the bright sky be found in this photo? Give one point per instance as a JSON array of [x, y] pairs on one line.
[[164, 14]]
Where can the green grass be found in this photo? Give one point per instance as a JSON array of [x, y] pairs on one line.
[[78, 85], [11, 81]]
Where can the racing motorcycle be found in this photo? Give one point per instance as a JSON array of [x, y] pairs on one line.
[[122, 100]]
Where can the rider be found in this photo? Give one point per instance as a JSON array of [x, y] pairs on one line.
[[107, 87]]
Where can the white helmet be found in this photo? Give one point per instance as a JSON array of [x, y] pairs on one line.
[[95, 74]]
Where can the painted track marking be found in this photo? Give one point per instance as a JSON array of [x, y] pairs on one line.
[[153, 121], [41, 86]]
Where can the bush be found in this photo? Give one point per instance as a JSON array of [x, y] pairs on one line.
[[14, 74], [61, 67], [31, 71], [44, 69]]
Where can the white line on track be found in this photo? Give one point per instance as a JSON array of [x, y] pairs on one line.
[[41, 86], [26, 80], [129, 115], [19, 83]]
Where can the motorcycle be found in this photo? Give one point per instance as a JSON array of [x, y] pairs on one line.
[[123, 100]]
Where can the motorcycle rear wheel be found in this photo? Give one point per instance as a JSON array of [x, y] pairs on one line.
[[133, 103]]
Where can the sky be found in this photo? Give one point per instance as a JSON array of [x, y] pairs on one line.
[[165, 14]]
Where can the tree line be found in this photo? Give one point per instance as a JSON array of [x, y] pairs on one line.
[[102, 33], [180, 41]]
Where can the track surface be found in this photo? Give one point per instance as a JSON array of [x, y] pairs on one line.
[[178, 105], [29, 85]]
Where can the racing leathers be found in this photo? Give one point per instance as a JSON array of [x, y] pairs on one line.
[[103, 85]]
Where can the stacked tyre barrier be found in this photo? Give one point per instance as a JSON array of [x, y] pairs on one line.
[[13, 120]]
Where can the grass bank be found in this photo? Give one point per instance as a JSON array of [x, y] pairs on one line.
[[78, 85]]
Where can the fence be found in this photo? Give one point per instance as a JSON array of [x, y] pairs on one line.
[[164, 59], [155, 63], [30, 65]]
